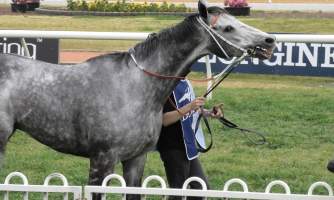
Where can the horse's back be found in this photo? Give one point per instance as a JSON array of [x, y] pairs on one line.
[[69, 108]]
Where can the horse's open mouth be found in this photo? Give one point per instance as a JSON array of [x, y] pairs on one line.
[[262, 53]]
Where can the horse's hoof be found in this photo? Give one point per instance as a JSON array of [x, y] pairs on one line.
[[330, 166]]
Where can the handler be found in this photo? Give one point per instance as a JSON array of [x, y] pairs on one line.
[[330, 166], [177, 142]]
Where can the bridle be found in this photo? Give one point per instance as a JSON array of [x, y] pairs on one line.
[[214, 35], [235, 61]]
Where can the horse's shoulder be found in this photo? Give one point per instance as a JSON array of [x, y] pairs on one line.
[[113, 62]]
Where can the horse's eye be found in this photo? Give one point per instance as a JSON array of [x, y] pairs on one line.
[[228, 29]]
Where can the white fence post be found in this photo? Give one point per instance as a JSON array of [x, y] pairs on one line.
[[317, 184], [25, 48], [106, 181], [162, 182], [23, 178], [194, 179], [233, 181], [51, 176], [208, 75], [278, 182]]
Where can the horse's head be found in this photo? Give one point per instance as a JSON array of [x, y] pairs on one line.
[[233, 37]]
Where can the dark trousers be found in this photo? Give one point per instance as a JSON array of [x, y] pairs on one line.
[[178, 168]]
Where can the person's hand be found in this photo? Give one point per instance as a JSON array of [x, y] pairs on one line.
[[196, 103], [217, 111]]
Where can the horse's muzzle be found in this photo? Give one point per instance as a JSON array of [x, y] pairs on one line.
[[261, 53]]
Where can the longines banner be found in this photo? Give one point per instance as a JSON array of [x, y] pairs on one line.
[[40, 49], [309, 59]]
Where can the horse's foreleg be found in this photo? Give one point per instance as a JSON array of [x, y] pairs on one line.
[[101, 166], [133, 170], [2, 152], [6, 130]]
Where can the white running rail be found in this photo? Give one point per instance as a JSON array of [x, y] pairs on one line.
[[140, 35], [25, 188], [161, 191], [225, 193]]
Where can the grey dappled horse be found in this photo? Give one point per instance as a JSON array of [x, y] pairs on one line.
[[107, 109]]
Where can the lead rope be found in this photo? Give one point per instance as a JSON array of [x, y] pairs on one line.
[[225, 73], [217, 80], [261, 139]]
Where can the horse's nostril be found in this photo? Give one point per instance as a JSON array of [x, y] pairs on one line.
[[269, 40]]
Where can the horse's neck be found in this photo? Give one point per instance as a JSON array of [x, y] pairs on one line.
[[173, 50], [173, 55]]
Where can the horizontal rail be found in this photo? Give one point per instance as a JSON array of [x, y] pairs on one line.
[[225, 193], [201, 193], [141, 35], [304, 38], [74, 35], [39, 188]]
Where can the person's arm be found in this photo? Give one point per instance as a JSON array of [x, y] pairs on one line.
[[173, 116]]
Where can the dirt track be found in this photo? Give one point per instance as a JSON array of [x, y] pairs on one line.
[[76, 56], [5, 11]]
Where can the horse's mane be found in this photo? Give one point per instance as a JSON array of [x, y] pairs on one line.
[[148, 46], [167, 35]]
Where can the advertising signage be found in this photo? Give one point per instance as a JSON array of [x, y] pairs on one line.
[[305, 59], [39, 49]]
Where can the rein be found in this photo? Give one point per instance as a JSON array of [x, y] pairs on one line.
[[218, 79], [225, 73], [262, 139]]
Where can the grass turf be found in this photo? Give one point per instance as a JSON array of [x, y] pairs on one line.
[[296, 113]]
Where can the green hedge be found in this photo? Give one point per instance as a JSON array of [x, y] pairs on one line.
[[105, 6]]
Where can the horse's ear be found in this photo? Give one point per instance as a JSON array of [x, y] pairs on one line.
[[202, 8]]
